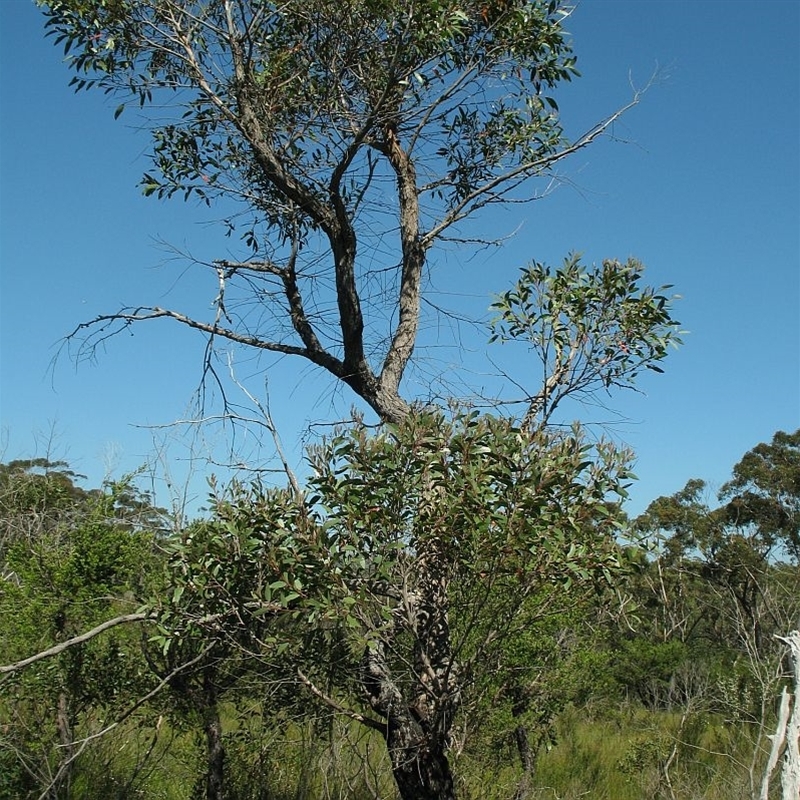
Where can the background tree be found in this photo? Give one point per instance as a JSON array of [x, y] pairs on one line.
[[71, 559], [764, 494], [720, 590]]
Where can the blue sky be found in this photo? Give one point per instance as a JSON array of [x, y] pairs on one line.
[[701, 183]]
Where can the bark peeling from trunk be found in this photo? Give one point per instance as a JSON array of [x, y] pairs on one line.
[[417, 752]]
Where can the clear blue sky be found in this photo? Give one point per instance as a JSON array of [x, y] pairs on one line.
[[702, 185]]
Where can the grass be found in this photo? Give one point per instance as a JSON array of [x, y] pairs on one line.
[[615, 754]]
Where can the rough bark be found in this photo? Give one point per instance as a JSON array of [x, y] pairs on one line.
[[215, 750], [526, 759], [420, 766], [420, 716], [414, 253], [383, 400], [419, 762]]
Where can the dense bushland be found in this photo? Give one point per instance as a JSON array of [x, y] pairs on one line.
[[648, 668]]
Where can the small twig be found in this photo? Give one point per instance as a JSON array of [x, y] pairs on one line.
[[269, 423]]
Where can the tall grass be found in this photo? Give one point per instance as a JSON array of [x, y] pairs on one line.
[[626, 753], [634, 754]]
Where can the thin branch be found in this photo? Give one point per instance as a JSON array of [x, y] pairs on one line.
[[273, 430], [155, 312], [331, 703], [138, 704], [139, 616], [473, 199]]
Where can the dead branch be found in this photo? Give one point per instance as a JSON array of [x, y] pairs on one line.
[[331, 703], [139, 616]]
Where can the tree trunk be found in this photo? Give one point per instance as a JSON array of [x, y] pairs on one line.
[[519, 706], [526, 759], [215, 750], [420, 767], [61, 786], [417, 754]]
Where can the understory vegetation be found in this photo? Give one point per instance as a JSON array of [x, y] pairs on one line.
[[663, 682], [621, 753]]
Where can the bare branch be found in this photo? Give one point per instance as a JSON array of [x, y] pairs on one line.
[[331, 703], [270, 425], [155, 312], [139, 616]]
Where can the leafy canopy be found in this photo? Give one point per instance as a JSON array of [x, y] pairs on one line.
[[351, 136], [323, 83], [589, 328]]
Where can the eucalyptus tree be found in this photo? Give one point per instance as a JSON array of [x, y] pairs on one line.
[[457, 548], [409, 582], [343, 142]]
